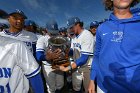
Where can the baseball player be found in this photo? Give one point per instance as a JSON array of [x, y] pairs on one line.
[[54, 79], [82, 50], [93, 27], [31, 27], [17, 68], [63, 31], [16, 20], [3, 14], [116, 64]]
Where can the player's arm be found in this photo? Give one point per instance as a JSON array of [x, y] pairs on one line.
[[79, 62], [36, 82], [43, 55], [91, 88], [40, 50], [87, 50], [30, 68], [94, 65]]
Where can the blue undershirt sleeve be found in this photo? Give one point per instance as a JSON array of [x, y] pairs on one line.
[[37, 83]]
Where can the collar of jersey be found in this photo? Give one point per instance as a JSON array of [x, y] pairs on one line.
[[12, 33]]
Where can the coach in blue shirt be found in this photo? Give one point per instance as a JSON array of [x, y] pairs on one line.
[[116, 62]]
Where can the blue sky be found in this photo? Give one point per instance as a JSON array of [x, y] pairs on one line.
[[60, 10]]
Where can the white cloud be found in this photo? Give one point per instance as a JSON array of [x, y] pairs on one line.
[[31, 4], [47, 7]]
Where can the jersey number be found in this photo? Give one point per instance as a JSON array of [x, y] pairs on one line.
[[7, 87]]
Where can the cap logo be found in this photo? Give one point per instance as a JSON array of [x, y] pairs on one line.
[[52, 26], [75, 20], [68, 23]]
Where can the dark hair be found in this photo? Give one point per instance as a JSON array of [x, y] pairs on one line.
[[81, 24], [109, 4]]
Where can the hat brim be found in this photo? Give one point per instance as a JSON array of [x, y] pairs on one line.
[[95, 26], [3, 14], [25, 17], [69, 27]]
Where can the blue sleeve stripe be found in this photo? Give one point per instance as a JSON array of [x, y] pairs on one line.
[[87, 53], [40, 50], [34, 73]]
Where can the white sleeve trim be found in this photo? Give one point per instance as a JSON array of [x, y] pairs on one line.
[[34, 73]]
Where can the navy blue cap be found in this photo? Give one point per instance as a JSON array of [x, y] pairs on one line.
[[3, 14], [63, 29], [94, 24], [30, 23], [71, 21], [18, 12], [52, 27]]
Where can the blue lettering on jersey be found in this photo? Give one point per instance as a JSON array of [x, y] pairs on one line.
[[1, 89], [5, 72], [29, 45], [7, 88], [77, 45]]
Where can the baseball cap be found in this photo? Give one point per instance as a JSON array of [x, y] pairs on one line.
[[52, 27], [3, 14], [29, 23], [17, 11], [94, 24], [72, 21]]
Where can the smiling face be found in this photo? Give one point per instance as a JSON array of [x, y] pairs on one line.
[[122, 4], [16, 21]]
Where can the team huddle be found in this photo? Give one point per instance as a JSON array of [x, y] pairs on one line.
[[103, 59]]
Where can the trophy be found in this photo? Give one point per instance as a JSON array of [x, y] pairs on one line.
[[62, 43]]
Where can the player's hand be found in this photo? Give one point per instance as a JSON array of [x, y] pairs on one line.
[[91, 88], [67, 50], [62, 68], [55, 55]]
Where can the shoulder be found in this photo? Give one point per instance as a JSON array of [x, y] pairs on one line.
[[13, 44], [3, 33], [43, 39], [104, 25], [87, 34], [30, 35]]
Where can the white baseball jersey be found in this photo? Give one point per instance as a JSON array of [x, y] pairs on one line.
[[38, 35], [83, 44], [28, 38], [16, 65], [42, 44]]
